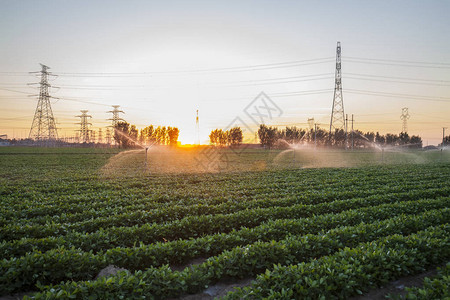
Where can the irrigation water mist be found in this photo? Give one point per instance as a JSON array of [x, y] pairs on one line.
[[306, 155], [129, 138], [201, 159]]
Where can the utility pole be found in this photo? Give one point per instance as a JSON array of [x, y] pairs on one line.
[[84, 126], [404, 117], [346, 126], [353, 144], [315, 135], [337, 111], [311, 123], [197, 128], [43, 127], [443, 136]]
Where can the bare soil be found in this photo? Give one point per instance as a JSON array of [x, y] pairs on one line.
[[195, 261], [218, 290]]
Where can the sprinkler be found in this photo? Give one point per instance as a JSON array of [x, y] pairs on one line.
[[145, 162]]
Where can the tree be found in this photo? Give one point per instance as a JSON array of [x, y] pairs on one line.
[[267, 135], [370, 136], [160, 135], [214, 137], [133, 133], [379, 139], [222, 137], [173, 133], [121, 134], [235, 136], [446, 141], [391, 139], [415, 141], [147, 135], [293, 134], [322, 136], [403, 138], [338, 138]]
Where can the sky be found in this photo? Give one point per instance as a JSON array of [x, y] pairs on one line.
[[161, 61]]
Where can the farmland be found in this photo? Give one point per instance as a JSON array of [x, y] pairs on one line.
[[273, 218]]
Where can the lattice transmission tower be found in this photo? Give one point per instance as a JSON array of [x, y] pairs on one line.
[[108, 136], [100, 136], [116, 117], [404, 117], [337, 111], [43, 127], [85, 132]]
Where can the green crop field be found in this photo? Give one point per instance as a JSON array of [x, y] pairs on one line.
[[186, 219]]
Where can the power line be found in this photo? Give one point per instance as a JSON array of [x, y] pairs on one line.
[[388, 63], [288, 64], [254, 82], [397, 81], [398, 61], [400, 78], [393, 95], [14, 91]]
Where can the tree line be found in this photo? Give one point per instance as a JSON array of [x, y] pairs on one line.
[[271, 136], [230, 137], [127, 135]]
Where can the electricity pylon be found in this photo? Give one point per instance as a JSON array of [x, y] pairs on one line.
[[84, 130], [100, 136], [337, 111], [116, 118], [108, 136], [404, 117], [43, 127]]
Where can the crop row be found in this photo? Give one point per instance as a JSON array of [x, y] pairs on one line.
[[424, 248], [23, 207], [137, 213], [60, 197], [127, 237], [194, 226], [64, 264], [351, 271], [197, 225]]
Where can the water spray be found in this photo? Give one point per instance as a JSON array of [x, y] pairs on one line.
[[146, 154]]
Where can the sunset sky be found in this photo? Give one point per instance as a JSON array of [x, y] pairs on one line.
[[162, 60]]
